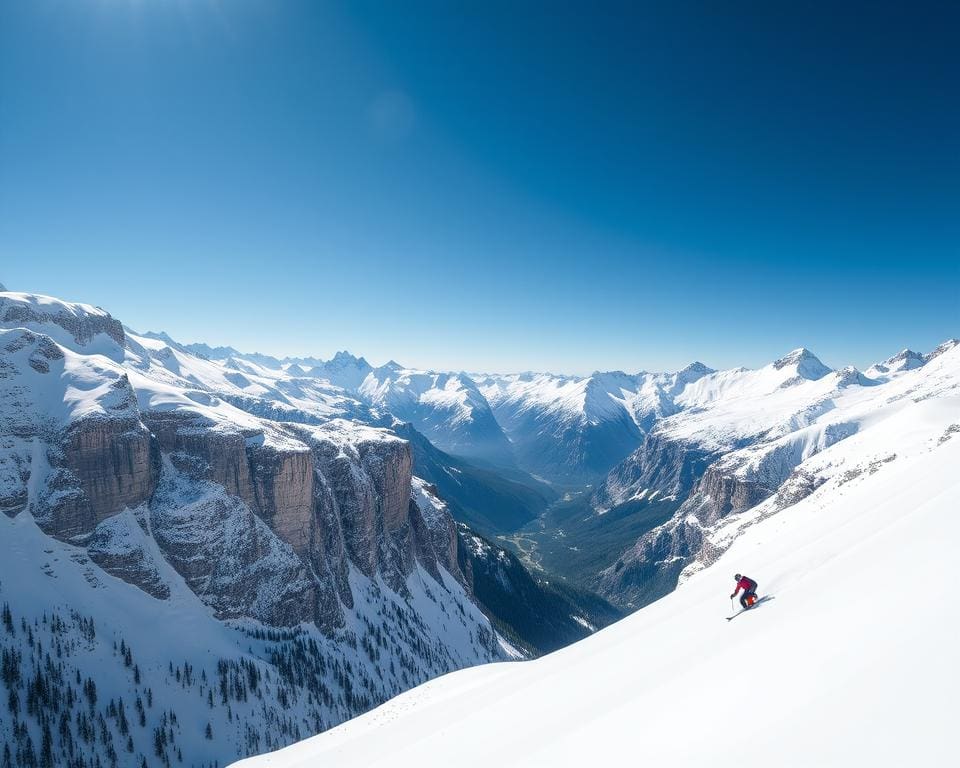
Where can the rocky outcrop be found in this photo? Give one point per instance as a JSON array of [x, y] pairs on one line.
[[120, 546], [72, 434], [323, 499], [261, 519], [719, 493], [662, 464], [283, 493], [80, 321], [650, 569], [227, 555], [102, 467], [204, 450]]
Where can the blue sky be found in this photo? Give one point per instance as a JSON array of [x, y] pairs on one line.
[[490, 185]]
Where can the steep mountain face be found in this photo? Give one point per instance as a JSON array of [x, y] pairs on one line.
[[748, 440], [447, 408], [131, 466], [823, 650], [573, 429]]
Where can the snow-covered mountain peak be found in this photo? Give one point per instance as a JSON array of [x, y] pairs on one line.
[[694, 371], [905, 360], [343, 370], [908, 360], [344, 358], [849, 376], [448, 408], [806, 364]]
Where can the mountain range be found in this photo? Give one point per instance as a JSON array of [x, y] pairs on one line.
[[209, 554], [850, 657], [221, 558], [615, 466]]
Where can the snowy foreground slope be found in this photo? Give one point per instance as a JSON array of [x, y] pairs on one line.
[[853, 661]]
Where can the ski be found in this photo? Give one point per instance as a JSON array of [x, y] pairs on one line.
[[744, 610]]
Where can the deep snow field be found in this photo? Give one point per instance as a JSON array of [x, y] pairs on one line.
[[853, 662]]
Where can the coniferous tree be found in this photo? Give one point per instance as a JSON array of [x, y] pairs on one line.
[[46, 750]]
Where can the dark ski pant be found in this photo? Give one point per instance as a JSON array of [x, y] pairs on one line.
[[745, 595]]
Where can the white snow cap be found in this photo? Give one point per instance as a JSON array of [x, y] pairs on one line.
[[808, 365]]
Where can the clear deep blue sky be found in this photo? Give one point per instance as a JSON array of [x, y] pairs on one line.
[[490, 185]]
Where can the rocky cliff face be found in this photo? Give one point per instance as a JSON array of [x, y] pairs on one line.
[[114, 465], [80, 323], [263, 519], [662, 464], [157, 499]]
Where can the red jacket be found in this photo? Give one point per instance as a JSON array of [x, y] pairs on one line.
[[747, 585]]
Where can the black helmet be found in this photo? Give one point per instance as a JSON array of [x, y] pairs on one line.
[[737, 577]]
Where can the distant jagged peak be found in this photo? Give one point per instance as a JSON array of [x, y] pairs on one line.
[[807, 364], [391, 366], [198, 349], [212, 353], [3, 288], [905, 360], [344, 358], [607, 381], [941, 348], [295, 370], [696, 370], [850, 376], [904, 355]]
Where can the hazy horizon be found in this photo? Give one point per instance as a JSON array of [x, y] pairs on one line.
[[376, 362]]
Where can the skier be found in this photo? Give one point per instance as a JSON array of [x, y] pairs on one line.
[[749, 587]]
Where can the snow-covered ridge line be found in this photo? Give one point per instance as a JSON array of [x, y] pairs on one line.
[[566, 429]]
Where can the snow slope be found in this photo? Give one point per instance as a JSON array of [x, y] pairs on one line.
[[853, 661]]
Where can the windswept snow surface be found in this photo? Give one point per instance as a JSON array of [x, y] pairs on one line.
[[853, 661]]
